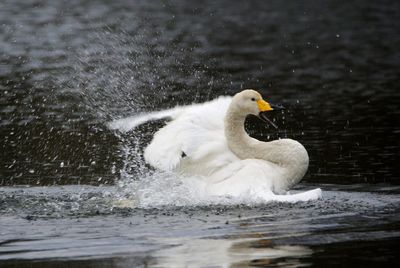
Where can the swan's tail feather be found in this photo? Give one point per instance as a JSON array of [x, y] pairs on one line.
[[305, 196], [129, 123]]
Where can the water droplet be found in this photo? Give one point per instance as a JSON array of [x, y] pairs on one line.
[[113, 169]]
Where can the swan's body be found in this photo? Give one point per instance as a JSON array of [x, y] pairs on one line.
[[209, 140]]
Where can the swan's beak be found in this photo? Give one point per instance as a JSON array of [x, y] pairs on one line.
[[266, 107]]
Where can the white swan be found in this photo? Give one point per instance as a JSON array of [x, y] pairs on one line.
[[209, 140]]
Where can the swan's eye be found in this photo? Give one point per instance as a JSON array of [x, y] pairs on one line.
[[253, 99]]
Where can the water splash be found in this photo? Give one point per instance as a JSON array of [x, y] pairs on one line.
[[144, 187]]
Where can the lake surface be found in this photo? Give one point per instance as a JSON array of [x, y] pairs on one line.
[[76, 226], [68, 68]]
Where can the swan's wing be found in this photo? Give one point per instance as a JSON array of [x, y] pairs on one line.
[[194, 132], [129, 123], [244, 177]]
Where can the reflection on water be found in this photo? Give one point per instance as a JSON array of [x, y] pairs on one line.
[[229, 253]]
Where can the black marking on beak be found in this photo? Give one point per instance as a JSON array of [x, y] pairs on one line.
[[263, 116], [277, 107]]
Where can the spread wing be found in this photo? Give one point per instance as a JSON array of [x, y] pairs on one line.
[[196, 131]]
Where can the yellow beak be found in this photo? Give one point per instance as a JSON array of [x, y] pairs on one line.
[[264, 106]]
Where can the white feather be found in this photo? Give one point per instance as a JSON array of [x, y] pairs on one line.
[[197, 131]]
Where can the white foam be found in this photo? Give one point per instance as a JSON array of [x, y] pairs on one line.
[[168, 189]]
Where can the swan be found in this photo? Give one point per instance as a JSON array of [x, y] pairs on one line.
[[208, 140]]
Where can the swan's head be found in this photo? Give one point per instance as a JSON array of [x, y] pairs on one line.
[[251, 102]]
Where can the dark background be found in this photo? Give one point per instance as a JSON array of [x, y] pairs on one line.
[[69, 67]]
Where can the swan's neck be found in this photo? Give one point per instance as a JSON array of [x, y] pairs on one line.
[[289, 155], [238, 140]]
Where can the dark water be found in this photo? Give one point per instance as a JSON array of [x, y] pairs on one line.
[[73, 226], [67, 68]]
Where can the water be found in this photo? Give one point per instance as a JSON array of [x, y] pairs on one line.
[[74, 225], [69, 68]]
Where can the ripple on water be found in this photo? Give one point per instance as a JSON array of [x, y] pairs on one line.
[[82, 222]]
